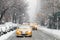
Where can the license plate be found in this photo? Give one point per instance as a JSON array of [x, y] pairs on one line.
[[23, 32]]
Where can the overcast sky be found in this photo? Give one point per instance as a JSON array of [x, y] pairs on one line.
[[33, 8]]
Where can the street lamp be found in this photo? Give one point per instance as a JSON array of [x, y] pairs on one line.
[[14, 18], [57, 22]]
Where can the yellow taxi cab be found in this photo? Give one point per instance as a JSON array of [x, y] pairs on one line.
[[34, 26], [24, 31]]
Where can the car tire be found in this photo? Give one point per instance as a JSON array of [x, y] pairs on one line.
[[17, 36], [30, 36], [5, 32], [36, 28], [12, 29]]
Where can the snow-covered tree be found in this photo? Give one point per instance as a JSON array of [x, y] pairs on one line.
[[17, 7]]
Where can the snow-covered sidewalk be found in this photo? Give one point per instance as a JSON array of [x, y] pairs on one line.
[[53, 32], [5, 36]]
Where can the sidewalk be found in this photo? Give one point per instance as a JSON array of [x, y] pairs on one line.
[[5, 36]]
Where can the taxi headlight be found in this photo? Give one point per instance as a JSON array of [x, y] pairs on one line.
[[29, 32], [18, 32]]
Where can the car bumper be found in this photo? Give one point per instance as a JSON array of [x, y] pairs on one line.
[[4, 31], [22, 34]]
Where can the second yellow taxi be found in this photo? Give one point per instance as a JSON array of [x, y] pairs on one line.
[[34, 26]]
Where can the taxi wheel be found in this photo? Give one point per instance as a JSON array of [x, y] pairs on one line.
[[33, 28], [19, 36], [30, 36], [36, 28]]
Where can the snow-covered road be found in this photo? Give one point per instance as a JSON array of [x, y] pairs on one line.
[[50, 33], [53, 32]]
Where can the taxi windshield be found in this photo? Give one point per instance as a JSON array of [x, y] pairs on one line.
[[24, 27]]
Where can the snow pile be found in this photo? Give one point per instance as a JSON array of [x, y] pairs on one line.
[[9, 23], [5, 36], [53, 32]]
